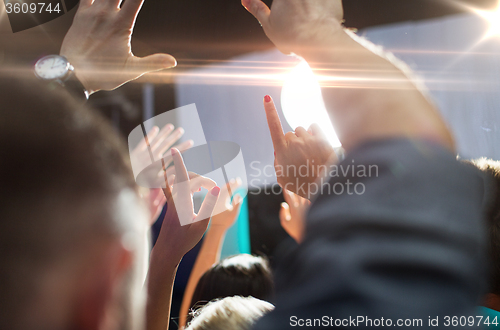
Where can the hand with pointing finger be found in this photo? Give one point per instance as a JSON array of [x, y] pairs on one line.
[[299, 156], [98, 45]]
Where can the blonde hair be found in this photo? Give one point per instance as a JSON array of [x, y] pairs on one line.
[[231, 313]]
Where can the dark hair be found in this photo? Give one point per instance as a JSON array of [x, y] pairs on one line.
[[240, 275], [492, 168], [61, 169]]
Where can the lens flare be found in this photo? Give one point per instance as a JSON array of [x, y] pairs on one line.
[[302, 102], [493, 19]]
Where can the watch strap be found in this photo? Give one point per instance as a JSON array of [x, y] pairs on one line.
[[75, 87]]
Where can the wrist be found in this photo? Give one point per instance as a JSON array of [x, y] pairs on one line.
[[217, 230], [165, 258], [318, 37], [80, 72]]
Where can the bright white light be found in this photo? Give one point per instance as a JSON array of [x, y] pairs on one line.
[[493, 18], [302, 102]]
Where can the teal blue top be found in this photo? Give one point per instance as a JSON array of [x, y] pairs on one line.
[[490, 316]]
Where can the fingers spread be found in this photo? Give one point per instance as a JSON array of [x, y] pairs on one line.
[[168, 140], [160, 136], [274, 123]]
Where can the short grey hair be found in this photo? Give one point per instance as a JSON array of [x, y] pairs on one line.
[[230, 313]]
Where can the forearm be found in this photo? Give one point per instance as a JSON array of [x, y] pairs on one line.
[[209, 255], [367, 95], [161, 278]]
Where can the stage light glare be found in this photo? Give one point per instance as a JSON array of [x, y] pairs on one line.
[[302, 102], [493, 19]]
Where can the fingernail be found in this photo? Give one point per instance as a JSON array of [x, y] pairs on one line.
[[173, 151], [199, 189], [267, 98], [215, 191], [275, 154]]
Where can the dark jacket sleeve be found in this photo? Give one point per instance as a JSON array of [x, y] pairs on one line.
[[406, 242]]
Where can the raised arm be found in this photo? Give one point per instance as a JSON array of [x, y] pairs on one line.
[[367, 95], [225, 215], [98, 45], [176, 239]]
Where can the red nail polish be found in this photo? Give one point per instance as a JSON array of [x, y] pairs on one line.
[[215, 191], [267, 98], [275, 154]]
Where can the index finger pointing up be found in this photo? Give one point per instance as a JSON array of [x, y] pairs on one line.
[[273, 120]]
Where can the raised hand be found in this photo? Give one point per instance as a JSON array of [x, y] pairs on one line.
[[224, 216], [98, 45], [377, 99], [159, 142], [292, 214], [296, 151], [294, 24], [182, 228]]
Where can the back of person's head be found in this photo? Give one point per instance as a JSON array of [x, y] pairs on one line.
[[68, 200], [239, 275], [230, 313], [492, 168]]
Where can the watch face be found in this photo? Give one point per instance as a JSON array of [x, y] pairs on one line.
[[51, 67]]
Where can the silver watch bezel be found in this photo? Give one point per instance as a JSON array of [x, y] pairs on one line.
[[61, 78]]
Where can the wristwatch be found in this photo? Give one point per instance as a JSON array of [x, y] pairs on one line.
[[57, 71]]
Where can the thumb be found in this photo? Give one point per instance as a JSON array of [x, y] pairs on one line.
[[153, 63], [258, 9]]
